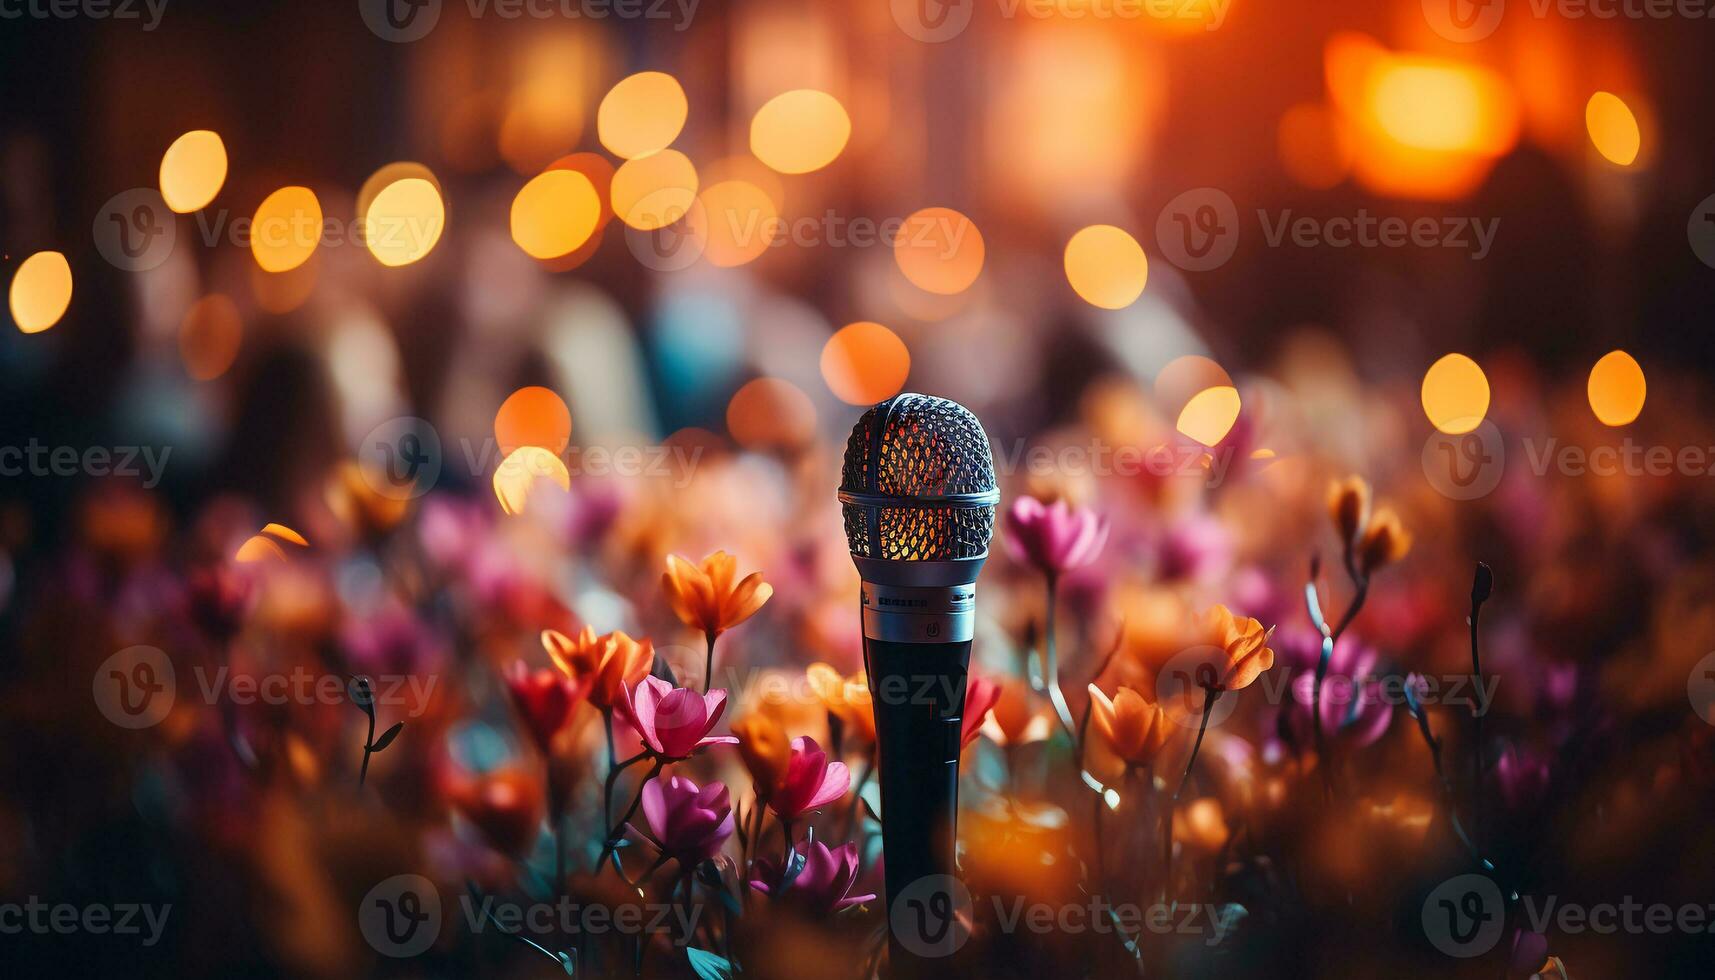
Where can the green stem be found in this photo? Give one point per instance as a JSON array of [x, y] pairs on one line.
[[1051, 664], [1210, 696]]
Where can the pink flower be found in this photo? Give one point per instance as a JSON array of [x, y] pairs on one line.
[[824, 883], [811, 781], [544, 697], [980, 696], [1053, 537], [674, 721], [689, 823]]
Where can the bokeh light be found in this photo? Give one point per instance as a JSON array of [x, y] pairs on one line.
[[736, 223], [404, 221], [641, 115], [1612, 127], [654, 191], [800, 131], [1106, 266], [41, 291], [1210, 414], [533, 416], [209, 337], [864, 363], [554, 213], [939, 250], [1617, 388], [1455, 394], [524, 473], [286, 230], [1183, 378], [1313, 148], [193, 170], [771, 413]]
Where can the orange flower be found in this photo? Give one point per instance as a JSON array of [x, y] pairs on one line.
[[846, 698], [705, 597], [1349, 506], [766, 752], [607, 663], [1385, 541], [1134, 728], [1244, 647], [1017, 717]]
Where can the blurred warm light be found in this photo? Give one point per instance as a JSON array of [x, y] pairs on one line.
[[1313, 150], [543, 120], [209, 337], [282, 292], [554, 213], [1210, 414], [750, 170], [521, 474], [1613, 128], [193, 170], [264, 546], [1455, 394], [1182, 378], [1106, 266], [864, 363], [800, 131], [641, 115], [285, 533], [771, 413], [1419, 126], [533, 416], [41, 291], [737, 222], [939, 250], [600, 173], [654, 191], [1617, 388], [402, 218], [286, 229]]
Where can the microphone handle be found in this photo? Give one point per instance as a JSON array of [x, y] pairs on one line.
[[918, 692]]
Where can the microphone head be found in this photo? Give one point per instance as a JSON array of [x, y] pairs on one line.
[[918, 482]]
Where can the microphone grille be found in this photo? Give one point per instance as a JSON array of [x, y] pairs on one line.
[[918, 482]]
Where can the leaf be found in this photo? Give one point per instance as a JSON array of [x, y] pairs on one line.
[[387, 737], [871, 797], [569, 964], [708, 965]]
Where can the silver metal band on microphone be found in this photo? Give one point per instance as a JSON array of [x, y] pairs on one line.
[[908, 614]]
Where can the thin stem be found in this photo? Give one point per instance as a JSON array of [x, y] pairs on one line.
[[1051, 664], [1210, 696], [709, 660], [857, 795], [363, 773], [613, 834]]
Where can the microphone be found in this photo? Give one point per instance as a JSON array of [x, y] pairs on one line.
[[918, 494]]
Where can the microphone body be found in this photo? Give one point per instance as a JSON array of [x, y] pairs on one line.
[[919, 495]]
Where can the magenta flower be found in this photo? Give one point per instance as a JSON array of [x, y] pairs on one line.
[[688, 823], [1054, 538], [674, 721], [811, 781], [1354, 709], [825, 882]]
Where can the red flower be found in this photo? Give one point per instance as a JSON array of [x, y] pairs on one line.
[[544, 698], [811, 781]]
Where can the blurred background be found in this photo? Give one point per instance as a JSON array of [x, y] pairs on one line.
[[1148, 245]]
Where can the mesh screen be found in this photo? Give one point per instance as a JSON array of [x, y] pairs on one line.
[[925, 447]]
